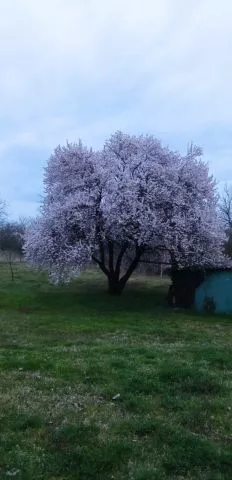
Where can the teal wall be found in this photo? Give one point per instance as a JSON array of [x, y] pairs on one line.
[[219, 287]]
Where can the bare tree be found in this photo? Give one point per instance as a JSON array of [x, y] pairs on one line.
[[3, 212], [11, 243], [226, 216], [226, 207]]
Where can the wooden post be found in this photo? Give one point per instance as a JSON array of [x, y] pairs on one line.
[[161, 270]]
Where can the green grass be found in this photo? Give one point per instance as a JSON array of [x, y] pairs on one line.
[[66, 352]]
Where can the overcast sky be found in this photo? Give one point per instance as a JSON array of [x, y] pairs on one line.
[[75, 69]]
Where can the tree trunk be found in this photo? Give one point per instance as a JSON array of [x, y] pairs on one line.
[[115, 283], [115, 286]]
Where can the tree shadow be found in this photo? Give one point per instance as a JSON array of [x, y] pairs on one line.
[[93, 298]]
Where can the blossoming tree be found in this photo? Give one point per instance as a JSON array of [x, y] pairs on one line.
[[133, 196]]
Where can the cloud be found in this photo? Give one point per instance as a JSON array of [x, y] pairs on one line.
[[72, 68]]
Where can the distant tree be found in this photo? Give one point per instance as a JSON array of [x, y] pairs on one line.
[[226, 207], [12, 238], [131, 198], [11, 243], [226, 216], [3, 211]]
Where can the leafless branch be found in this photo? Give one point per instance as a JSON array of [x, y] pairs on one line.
[[226, 207]]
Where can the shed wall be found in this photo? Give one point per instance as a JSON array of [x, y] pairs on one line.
[[217, 286]]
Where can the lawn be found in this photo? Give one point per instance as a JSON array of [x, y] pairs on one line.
[[97, 387]]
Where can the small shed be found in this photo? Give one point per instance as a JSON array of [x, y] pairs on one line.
[[215, 292], [208, 290]]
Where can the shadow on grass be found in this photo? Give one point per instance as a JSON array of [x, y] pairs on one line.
[[84, 295], [133, 299]]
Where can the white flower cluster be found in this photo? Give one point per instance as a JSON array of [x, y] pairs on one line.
[[134, 193]]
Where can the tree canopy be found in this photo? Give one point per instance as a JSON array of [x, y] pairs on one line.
[[134, 195], [11, 238]]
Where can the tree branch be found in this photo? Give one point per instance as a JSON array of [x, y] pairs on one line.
[[111, 256], [133, 265], [101, 265], [154, 262], [119, 260], [226, 207], [102, 251]]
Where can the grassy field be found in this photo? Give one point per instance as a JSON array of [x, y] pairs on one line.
[[99, 388]]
